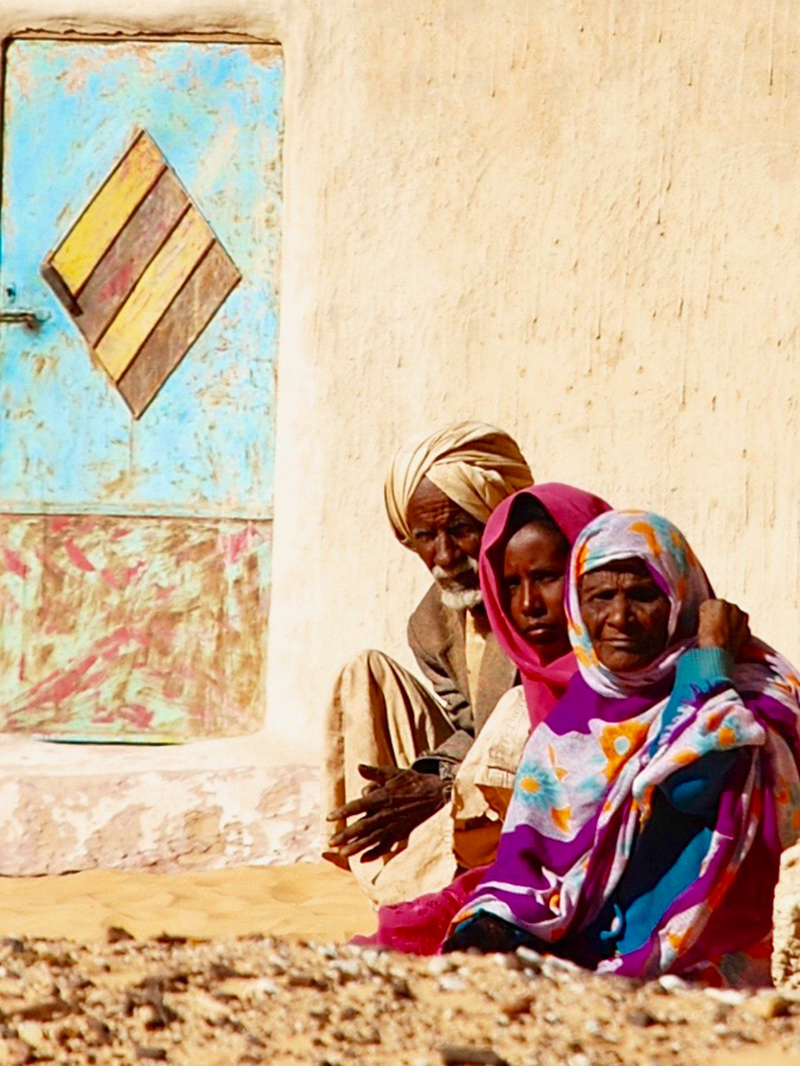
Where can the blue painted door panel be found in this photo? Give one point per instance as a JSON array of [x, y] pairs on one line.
[[68, 444]]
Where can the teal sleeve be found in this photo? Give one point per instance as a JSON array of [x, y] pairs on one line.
[[699, 672], [696, 789]]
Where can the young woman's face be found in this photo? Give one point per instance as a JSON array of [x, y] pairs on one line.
[[626, 614], [534, 569]]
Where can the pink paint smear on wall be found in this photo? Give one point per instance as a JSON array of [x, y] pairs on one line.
[[13, 563]]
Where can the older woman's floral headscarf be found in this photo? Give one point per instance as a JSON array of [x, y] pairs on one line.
[[619, 535]]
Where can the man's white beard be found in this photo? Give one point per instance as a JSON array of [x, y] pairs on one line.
[[461, 599], [458, 597]]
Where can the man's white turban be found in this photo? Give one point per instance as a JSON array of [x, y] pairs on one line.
[[476, 465]]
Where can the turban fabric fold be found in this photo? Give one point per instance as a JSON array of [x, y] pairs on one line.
[[474, 464]]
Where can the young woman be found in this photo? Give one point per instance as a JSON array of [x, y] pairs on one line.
[[651, 807], [523, 566]]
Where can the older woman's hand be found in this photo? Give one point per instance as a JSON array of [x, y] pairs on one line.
[[722, 625]]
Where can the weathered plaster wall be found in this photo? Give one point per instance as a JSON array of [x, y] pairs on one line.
[[196, 806], [579, 220]]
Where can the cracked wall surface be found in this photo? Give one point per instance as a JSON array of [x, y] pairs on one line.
[[164, 822]]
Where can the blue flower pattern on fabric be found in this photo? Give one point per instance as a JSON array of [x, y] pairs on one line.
[[538, 786]]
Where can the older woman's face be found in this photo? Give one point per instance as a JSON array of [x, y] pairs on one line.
[[626, 614]]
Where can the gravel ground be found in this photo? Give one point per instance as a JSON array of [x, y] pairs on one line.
[[262, 1000]]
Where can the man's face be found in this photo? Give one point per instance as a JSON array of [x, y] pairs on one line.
[[448, 540]]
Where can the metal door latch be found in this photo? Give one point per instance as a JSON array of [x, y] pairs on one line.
[[29, 319]]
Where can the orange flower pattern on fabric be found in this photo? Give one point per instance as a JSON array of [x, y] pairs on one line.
[[560, 771], [561, 818], [715, 720], [684, 758], [586, 657], [790, 685], [726, 737], [677, 941], [644, 529], [620, 741]]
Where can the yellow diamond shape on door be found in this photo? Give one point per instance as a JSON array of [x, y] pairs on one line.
[[141, 273]]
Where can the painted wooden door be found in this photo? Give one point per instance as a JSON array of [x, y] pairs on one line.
[[140, 224]]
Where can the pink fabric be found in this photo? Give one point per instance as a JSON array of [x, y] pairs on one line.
[[571, 509], [420, 926]]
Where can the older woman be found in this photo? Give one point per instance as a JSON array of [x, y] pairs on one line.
[[651, 807]]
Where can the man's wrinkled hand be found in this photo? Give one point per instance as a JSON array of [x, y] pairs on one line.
[[392, 804], [722, 625]]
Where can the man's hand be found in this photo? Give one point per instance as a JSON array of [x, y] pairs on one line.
[[722, 625], [393, 803]]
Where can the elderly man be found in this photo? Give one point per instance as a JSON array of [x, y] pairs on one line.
[[402, 761]]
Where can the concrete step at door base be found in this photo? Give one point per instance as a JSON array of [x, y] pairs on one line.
[[67, 807]]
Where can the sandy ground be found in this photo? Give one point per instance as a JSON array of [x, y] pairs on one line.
[[250, 966], [314, 901]]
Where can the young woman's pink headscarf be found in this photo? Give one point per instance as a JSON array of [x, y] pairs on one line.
[[571, 509]]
